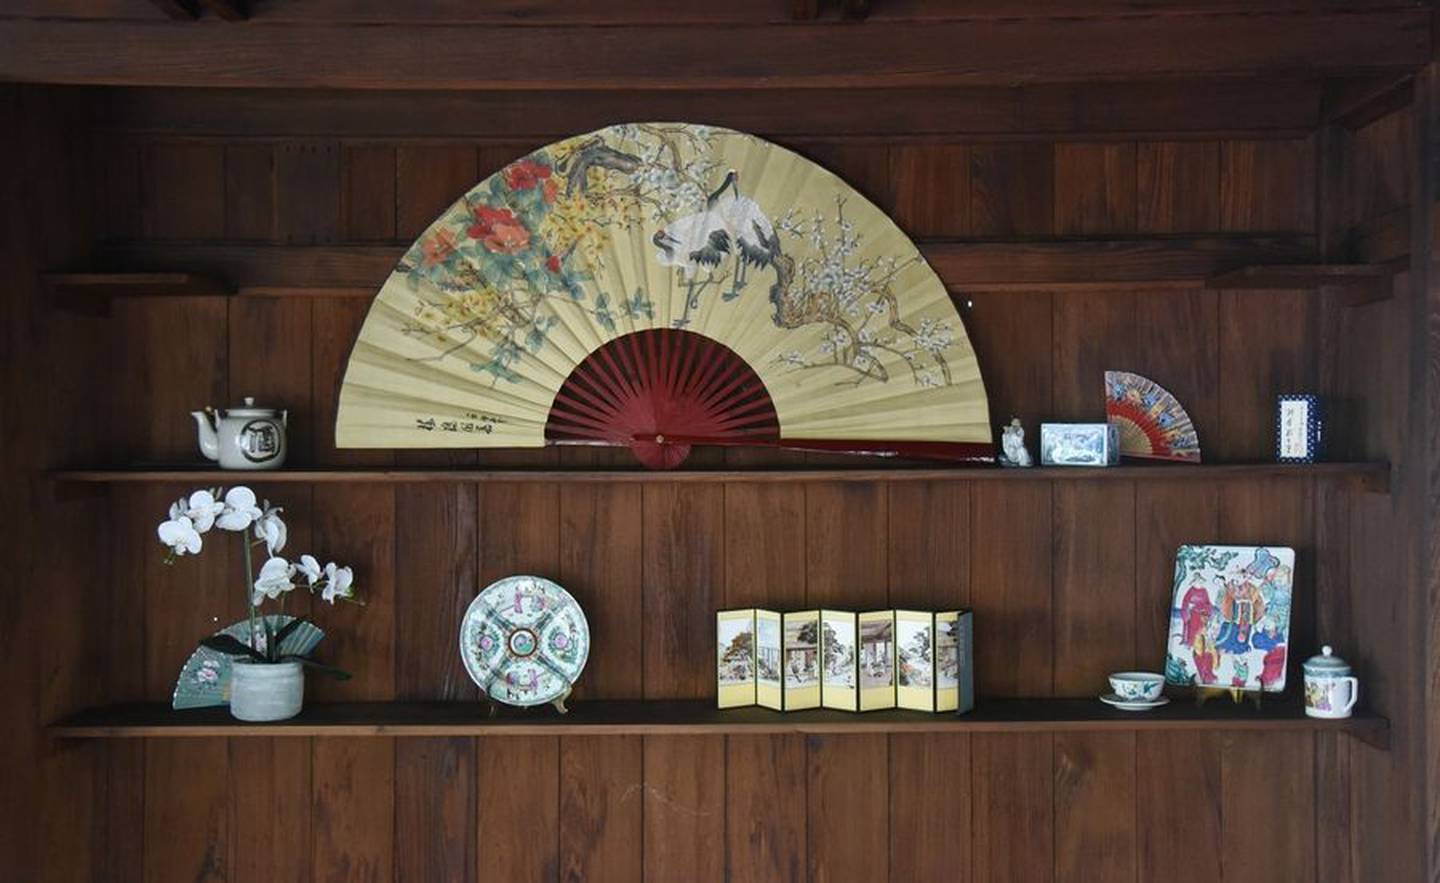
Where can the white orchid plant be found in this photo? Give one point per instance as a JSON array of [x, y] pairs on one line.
[[238, 512]]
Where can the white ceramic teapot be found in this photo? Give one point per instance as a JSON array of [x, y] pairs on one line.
[[243, 438]]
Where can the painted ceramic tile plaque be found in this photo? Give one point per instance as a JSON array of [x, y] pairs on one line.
[[524, 640], [1230, 620], [1079, 444], [735, 657]]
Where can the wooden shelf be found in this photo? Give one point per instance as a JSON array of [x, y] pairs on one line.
[[963, 265], [1364, 283], [1370, 476], [675, 717], [105, 285]]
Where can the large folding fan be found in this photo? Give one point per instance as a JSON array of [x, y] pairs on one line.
[[658, 285]]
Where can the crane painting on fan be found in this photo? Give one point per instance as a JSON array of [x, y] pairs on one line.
[[607, 289], [731, 226]]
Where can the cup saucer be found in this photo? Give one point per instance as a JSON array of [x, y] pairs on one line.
[[1133, 705]]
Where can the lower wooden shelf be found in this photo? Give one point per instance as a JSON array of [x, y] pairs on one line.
[[676, 717]]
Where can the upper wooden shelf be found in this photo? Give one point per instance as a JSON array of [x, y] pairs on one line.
[[1370, 476], [677, 717]]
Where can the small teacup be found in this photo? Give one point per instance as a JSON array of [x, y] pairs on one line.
[[1137, 686]]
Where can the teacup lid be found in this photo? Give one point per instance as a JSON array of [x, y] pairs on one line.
[[250, 410], [1327, 662]]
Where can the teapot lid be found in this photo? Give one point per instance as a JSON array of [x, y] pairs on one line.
[[250, 410], [1326, 661]]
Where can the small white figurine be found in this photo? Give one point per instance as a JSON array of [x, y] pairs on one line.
[[1012, 445]]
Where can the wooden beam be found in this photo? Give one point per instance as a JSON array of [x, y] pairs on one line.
[[663, 57], [1357, 102], [1173, 108]]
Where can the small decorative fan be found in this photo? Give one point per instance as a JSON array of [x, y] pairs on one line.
[[205, 678], [658, 285], [1152, 423]]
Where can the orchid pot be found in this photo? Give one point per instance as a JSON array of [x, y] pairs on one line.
[[266, 691], [267, 683]]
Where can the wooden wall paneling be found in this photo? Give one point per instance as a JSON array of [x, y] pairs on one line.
[[765, 776], [435, 815], [866, 167], [307, 191], [1095, 807], [684, 807], [269, 810], [1179, 807], [600, 534], [187, 828], [116, 197], [930, 807], [932, 189], [1012, 807], [847, 568], [1011, 589], [1176, 344], [1093, 332], [518, 779], [250, 196], [1095, 188], [1093, 606], [183, 191], [368, 192], [1177, 186], [601, 826], [1012, 333], [353, 810], [1266, 348], [852, 772], [1012, 189], [1378, 174], [683, 578], [928, 550], [1268, 806], [682, 574], [428, 179], [269, 360], [1267, 185]]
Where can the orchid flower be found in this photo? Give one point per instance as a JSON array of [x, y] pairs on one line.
[[337, 582], [270, 528], [180, 535], [240, 509], [200, 507], [275, 579], [310, 567]]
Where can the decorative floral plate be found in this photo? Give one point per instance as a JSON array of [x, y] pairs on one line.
[[525, 640]]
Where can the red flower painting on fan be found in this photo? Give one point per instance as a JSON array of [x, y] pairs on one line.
[[525, 174], [498, 229]]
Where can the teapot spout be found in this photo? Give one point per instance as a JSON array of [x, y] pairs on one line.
[[208, 437]]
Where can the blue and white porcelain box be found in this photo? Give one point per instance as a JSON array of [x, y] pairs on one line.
[[1079, 444], [1299, 428]]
